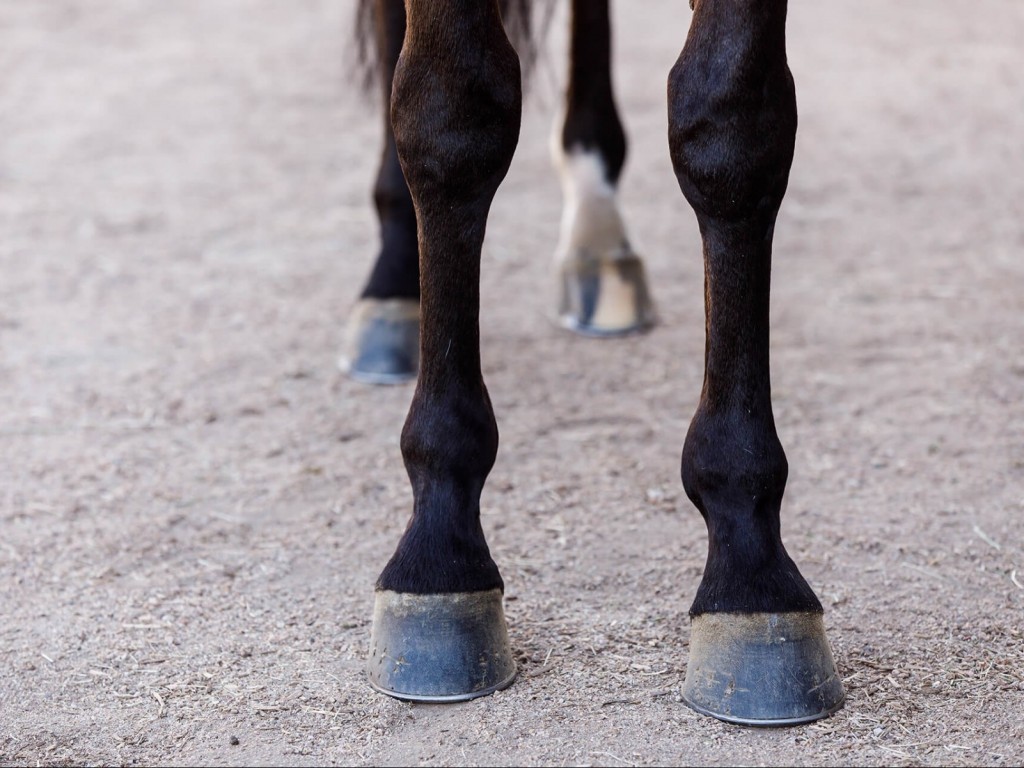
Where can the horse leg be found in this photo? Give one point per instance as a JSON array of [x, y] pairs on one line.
[[758, 652], [382, 339], [439, 631], [603, 288]]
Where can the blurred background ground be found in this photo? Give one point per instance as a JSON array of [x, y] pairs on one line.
[[194, 502]]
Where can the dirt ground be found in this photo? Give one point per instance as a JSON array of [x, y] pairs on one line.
[[195, 502]]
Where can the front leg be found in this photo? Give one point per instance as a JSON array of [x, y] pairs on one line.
[[758, 652], [439, 631]]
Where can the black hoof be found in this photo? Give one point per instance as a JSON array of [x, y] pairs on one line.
[[605, 297], [767, 669], [439, 648], [383, 341]]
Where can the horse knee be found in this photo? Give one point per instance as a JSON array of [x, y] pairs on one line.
[[456, 138], [732, 117]]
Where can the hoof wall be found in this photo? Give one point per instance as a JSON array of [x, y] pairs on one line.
[[767, 669], [383, 341], [606, 297], [439, 648]]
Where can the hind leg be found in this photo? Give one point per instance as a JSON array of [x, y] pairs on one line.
[[382, 338], [603, 289]]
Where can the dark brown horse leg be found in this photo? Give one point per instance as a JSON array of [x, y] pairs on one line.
[[382, 339], [439, 631], [603, 290], [758, 652]]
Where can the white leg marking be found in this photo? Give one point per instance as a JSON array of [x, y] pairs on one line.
[[603, 287], [591, 219]]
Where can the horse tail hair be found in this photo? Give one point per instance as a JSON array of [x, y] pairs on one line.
[[526, 29], [367, 60]]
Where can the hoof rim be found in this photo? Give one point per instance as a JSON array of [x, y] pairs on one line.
[[765, 723], [453, 698]]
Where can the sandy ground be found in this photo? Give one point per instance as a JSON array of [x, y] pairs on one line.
[[194, 502]]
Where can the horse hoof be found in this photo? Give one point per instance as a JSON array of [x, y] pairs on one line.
[[605, 297], [439, 648], [766, 669], [383, 341]]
